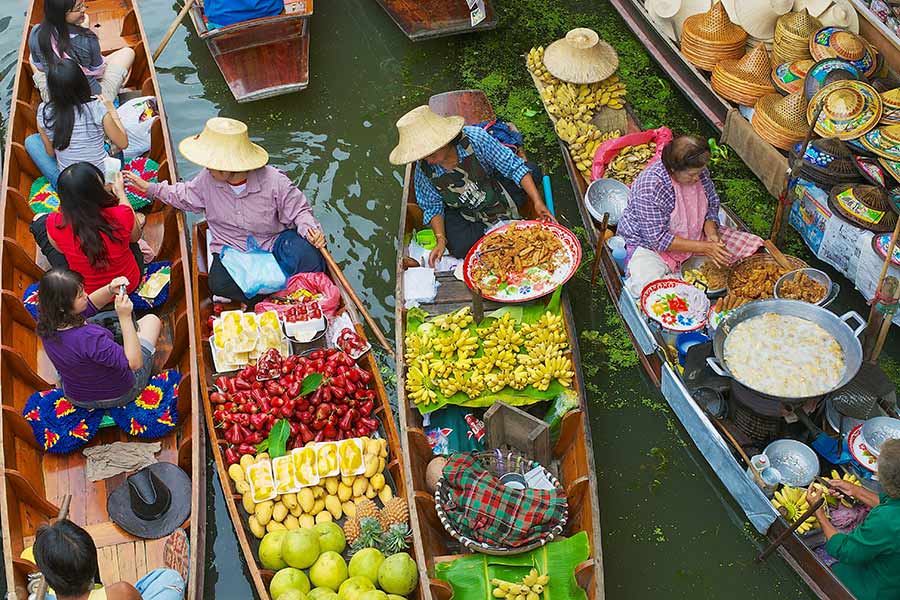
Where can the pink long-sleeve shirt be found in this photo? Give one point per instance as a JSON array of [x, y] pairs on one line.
[[269, 205]]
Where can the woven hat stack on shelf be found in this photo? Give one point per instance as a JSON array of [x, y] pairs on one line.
[[792, 33], [827, 162], [710, 37], [833, 42], [744, 80], [788, 77], [781, 120]]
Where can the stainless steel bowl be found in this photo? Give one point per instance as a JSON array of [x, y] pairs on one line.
[[815, 275], [797, 462], [877, 430], [607, 196]]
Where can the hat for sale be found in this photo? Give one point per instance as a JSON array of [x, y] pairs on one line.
[[823, 72], [883, 141], [788, 77], [890, 100], [865, 206], [781, 120], [581, 57], [834, 42], [827, 162], [153, 502], [850, 109], [710, 37]]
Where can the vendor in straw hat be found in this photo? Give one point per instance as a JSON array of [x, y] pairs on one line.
[[241, 197], [465, 180], [868, 556], [673, 214]]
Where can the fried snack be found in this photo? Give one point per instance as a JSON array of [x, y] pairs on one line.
[[709, 275], [802, 287], [730, 302], [757, 283], [515, 250]]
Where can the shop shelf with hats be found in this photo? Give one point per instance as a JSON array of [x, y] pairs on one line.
[[781, 120], [849, 109], [709, 37], [744, 80], [792, 32]]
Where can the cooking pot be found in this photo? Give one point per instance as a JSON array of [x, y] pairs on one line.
[[836, 326]]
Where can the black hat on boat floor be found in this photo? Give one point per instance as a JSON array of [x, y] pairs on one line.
[[153, 502], [865, 206], [827, 162]]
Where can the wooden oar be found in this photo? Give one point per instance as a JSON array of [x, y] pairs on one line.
[[871, 337], [780, 539], [778, 255], [359, 304], [41, 591], [171, 30], [598, 251]]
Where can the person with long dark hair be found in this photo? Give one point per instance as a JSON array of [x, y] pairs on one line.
[[64, 33], [94, 371], [95, 232], [73, 125]]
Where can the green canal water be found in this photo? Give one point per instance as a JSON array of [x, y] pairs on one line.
[[669, 528]]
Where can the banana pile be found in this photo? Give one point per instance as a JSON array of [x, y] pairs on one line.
[[833, 499], [793, 501], [629, 162], [583, 140], [333, 498], [530, 588], [507, 354]]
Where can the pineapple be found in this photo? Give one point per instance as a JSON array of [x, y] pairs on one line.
[[369, 535], [351, 530], [394, 539], [395, 512], [366, 508]]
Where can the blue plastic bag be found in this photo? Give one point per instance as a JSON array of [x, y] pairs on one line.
[[255, 271]]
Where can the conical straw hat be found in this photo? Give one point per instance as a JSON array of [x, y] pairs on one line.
[[849, 109], [581, 57], [834, 42], [884, 142], [781, 120], [890, 100], [422, 131], [788, 77], [792, 33], [224, 145], [745, 80], [813, 7], [758, 17], [841, 14], [710, 37]]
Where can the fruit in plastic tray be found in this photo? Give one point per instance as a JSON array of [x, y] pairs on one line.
[[328, 460], [261, 482], [350, 342], [302, 321], [285, 475], [305, 466], [351, 456]]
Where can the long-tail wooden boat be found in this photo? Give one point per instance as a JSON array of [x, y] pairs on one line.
[[573, 453], [204, 308], [34, 483], [261, 58], [652, 351], [426, 19]]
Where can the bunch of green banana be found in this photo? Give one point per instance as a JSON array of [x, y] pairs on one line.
[[629, 162], [531, 587], [793, 502]]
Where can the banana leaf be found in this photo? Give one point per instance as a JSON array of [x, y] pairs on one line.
[[471, 575]]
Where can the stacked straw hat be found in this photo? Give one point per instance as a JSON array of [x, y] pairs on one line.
[[834, 42], [828, 71], [788, 77], [827, 162], [744, 80], [849, 109], [841, 14], [781, 120], [890, 100], [865, 206], [792, 32], [581, 57], [884, 142], [709, 37]]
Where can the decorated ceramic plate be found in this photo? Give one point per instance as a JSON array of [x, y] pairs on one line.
[[522, 261], [675, 304], [859, 451], [714, 317], [880, 244]]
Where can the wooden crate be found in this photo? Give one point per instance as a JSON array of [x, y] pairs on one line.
[[507, 425]]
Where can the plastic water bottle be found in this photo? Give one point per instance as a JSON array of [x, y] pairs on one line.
[[770, 476]]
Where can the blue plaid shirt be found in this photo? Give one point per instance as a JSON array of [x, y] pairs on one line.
[[493, 156]]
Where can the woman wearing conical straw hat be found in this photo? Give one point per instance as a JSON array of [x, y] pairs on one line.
[[465, 180], [241, 197]]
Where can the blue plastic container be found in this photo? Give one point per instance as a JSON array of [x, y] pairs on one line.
[[687, 339]]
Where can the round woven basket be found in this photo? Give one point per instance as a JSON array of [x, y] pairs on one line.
[[781, 120], [709, 37], [744, 80], [869, 197], [498, 464], [792, 33], [745, 265]]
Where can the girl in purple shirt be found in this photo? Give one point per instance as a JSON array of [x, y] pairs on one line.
[[94, 371]]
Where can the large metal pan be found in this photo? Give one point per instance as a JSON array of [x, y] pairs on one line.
[[836, 326]]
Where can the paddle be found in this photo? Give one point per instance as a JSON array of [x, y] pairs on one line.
[[171, 30], [41, 591], [362, 308], [780, 539], [598, 251]]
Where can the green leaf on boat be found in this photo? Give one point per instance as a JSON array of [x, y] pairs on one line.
[[311, 383], [278, 437]]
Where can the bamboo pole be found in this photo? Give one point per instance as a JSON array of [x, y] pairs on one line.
[[870, 336], [171, 30], [598, 250]]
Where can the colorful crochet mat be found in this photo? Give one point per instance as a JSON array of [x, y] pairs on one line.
[[61, 427], [30, 297], [44, 199]]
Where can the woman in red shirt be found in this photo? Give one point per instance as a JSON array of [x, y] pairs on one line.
[[95, 232]]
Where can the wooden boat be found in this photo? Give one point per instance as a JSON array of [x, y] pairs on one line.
[[573, 453], [204, 306], [425, 19], [34, 483], [652, 351], [261, 58]]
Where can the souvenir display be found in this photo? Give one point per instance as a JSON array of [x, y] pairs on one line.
[[883, 141], [827, 161], [709, 37], [890, 100], [744, 80], [826, 71], [850, 109], [880, 244]]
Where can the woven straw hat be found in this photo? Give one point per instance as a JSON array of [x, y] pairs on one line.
[[710, 37], [850, 109], [581, 57], [841, 14], [758, 17], [891, 167], [744, 80], [788, 77], [828, 162], [792, 33], [224, 145], [890, 100], [828, 71], [834, 42], [865, 206], [870, 170], [422, 131], [781, 120], [661, 13], [883, 142], [689, 8], [813, 7]]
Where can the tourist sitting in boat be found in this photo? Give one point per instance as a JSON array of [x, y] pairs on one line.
[[673, 214], [64, 33], [222, 13], [242, 197], [869, 556], [67, 556], [94, 371], [95, 232], [73, 125], [465, 180]]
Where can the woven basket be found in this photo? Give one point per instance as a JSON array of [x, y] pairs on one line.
[[498, 464], [745, 265], [871, 197]]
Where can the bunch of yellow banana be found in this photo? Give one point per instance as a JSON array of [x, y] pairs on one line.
[[417, 347], [535, 63], [531, 587], [629, 162], [496, 380], [502, 334], [418, 384], [793, 501], [849, 478], [454, 321], [460, 342], [611, 92], [549, 328]]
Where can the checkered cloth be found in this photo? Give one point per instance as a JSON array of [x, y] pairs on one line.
[[740, 244], [485, 510]]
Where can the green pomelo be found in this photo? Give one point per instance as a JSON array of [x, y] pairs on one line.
[[331, 537], [288, 579], [270, 551], [300, 547], [354, 587], [398, 574], [366, 563], [329, 571]]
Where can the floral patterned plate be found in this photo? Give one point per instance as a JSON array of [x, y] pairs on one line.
[[675, 304], [880, 244], [529, 284], [859, 451]]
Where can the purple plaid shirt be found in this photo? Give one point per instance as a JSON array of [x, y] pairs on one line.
[[645, 221]]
